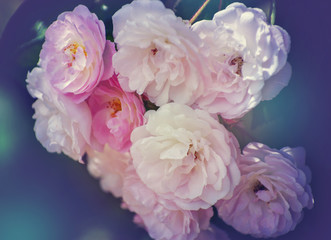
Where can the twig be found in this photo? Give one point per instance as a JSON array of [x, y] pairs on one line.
[[199, 11]]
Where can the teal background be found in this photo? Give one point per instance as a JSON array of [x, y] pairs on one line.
[[47, 196]]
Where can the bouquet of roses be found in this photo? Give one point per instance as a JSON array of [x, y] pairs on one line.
[[151, 109]]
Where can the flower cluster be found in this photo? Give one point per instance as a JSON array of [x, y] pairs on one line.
[[171, 163]]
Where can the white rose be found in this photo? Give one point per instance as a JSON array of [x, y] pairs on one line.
[[158, 54], [185, 156], [246, 59]]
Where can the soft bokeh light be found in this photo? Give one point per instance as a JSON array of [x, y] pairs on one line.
[[97, 233], [22, 219], [7, 138]]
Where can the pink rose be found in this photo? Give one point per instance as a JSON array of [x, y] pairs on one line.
[[76, 54], [158, 216], [186, 156], [61, 125], [109, 166], [115, 114], [273, 190]]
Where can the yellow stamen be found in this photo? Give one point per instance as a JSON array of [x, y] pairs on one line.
[[72, 50], [114, 104]]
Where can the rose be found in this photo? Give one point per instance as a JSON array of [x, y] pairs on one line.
[[273, 190], [76, 54], [115, 114], [158, 54], [158, 216], [186, 156], [61, 125], [110, 166], [246, 59]]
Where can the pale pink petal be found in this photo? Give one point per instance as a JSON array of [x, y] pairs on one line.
[[273, 190], [174, 151]]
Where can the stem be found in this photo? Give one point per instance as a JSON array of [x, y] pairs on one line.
[[220, 5], [199, 11]]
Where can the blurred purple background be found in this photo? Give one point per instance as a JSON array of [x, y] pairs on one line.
[[47, 196]]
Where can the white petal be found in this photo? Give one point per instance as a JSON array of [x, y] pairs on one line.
[[276, 83]]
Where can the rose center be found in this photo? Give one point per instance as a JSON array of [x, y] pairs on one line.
[[192, 151], [258, 186], [239, 61], [154, 51], [114, 105], [71, 51]]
